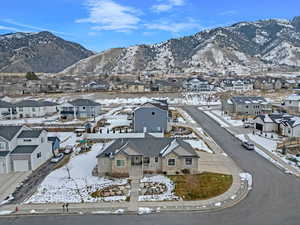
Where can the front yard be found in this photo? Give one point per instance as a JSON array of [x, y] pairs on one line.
[[201, 186]]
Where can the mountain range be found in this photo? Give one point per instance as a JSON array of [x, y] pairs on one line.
[[38, 52], [242, 48]]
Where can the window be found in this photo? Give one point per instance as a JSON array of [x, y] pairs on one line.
[[153, 113], [2, 145], [188, 161], [146, 160], [42, 140], [156, 159], [27, 140], [171, 162], [120, 163], [33, 109], [83, 107], [39, 155], [20, 109]]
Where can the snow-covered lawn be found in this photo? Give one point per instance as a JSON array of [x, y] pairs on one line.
[[5, 212], [228, 118], [199, 144], [216, 118], [117, 121], [66, 138], [58, 188], [267, 143], [187, 117], [168, 195]]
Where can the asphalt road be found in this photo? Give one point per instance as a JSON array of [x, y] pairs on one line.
[[274, 200]]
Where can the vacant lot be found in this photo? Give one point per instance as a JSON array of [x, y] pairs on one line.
[[201, 186]]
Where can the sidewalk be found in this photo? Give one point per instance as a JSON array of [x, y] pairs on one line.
[[275, 157]]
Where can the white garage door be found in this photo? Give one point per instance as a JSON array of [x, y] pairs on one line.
[[21, 165], [2, 166]]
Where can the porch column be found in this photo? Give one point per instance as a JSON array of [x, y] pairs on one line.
[[74, 108]]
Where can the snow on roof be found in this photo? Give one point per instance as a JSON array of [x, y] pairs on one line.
[[169, 148], [293, 97]]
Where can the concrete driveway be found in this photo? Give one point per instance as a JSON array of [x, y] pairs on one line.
[[9, 182]]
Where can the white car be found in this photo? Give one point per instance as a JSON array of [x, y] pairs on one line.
[[248, 145], [56, 159]]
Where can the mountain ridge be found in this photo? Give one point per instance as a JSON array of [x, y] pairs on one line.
[[244, 47]]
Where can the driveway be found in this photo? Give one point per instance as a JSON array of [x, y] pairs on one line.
[[9, 182]]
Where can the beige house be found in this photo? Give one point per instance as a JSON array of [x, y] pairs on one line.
[[148, 155]]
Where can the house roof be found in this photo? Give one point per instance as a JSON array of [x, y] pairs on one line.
[[248, 100], [4, 104], [8, 132], [32, 103], [53, 139], [24, 149], [4, 153], [159, 103], [84, 102], [30, 134], [149, 146]]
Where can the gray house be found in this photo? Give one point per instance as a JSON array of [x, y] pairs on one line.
[[151, 117], [80, 109], [22, 148], [6, 110], [152, 155], [246, 106]]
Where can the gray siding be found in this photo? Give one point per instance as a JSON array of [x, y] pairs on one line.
[[153, 119]]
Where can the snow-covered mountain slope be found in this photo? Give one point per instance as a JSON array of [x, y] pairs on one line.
[[245, 47]]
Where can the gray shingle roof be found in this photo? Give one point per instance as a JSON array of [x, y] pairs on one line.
[[24, 149], [8, 132], [149, 146], [30, 134], [4, 104], [32, 103], [84, 102], [248, 99], [3, 153]]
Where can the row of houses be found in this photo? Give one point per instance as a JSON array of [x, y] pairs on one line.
[[283, 124], [76, 109]]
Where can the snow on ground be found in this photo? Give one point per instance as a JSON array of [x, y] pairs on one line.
[[267, 143], [58, 188], [216, 118], [228, 118], [168, 195], [66, 138], [10, 198], [144, 210], [187, 117], [5, 212], [199, 144], [248, 178], [117, 121], [49, 119]]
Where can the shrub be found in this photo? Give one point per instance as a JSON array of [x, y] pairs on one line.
[[186, 171]]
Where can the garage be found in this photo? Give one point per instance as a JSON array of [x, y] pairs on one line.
[[2, 166], [21, 165], [259, 126]]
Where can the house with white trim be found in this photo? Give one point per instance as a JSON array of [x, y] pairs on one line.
[[33, 109], [147, 155], [23, 149]]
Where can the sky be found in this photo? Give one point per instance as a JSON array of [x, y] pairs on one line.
[[102, 24]]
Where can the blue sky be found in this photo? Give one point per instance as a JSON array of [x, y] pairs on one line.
[[103, 24]]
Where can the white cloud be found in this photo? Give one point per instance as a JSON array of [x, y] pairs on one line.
[[10, 29], [174, 27], [167, 5], [109, 15], [12, 22]]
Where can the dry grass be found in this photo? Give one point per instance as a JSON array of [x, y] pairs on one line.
[[63, 162], [201, 186]]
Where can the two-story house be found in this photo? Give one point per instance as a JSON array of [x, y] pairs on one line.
[[23, 149], [32, 109], [246, 106], [197, 84], [151, 117], [80, 109], [238, 85]]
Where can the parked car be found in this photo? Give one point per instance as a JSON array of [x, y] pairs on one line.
[[68, 149], [56, 159], [248, 145]]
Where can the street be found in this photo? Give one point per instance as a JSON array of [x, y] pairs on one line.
[[274, 200]]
